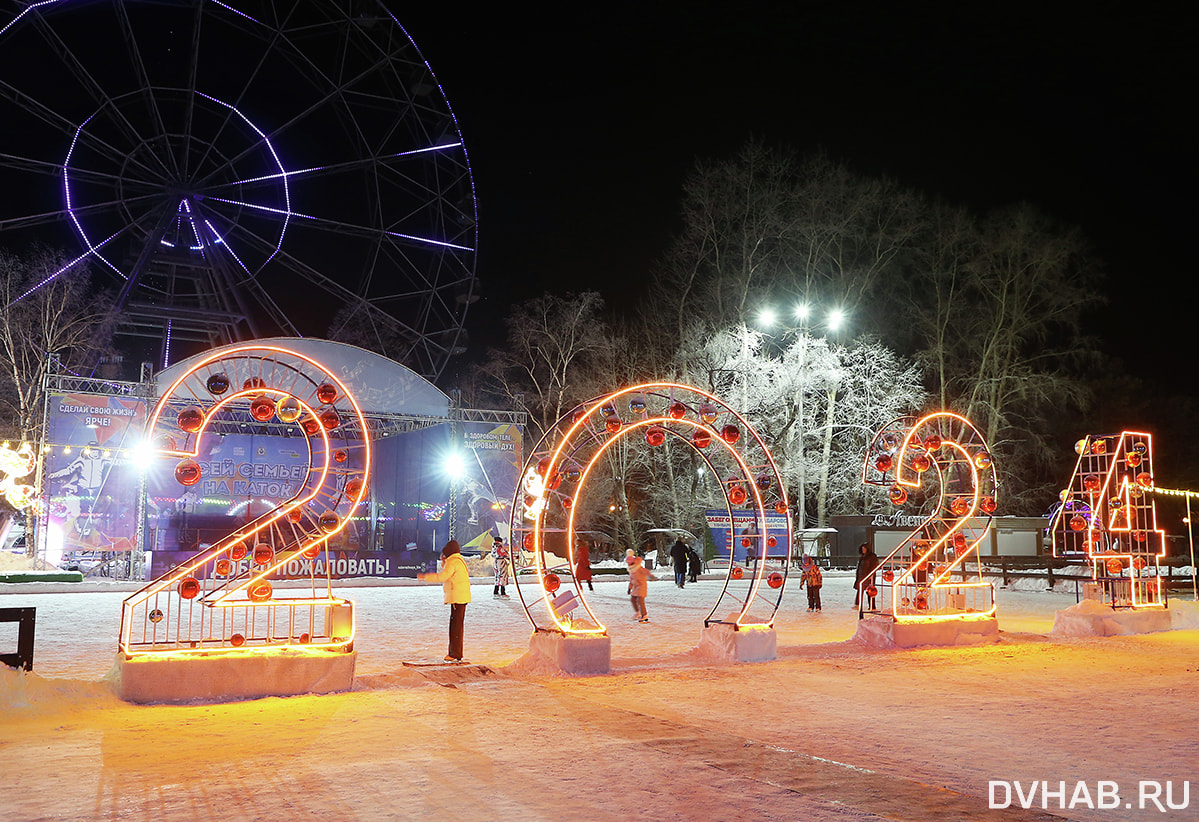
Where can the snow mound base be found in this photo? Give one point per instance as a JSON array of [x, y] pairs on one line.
[[720, 643], [1092, 618], [884, 632]]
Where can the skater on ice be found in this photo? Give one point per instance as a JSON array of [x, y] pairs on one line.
[[813, 579], [639, 577], [499, 554]]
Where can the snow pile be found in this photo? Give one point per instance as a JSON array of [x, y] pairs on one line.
[[25, 693], [884, 632], [1092, 618]]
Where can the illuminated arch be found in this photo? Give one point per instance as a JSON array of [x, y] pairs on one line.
[[558, 468], [918, 573], [222, 598]]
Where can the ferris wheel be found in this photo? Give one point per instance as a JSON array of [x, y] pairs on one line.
[[241, 169]]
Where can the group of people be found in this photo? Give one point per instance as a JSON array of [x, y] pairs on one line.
[[455, 579]]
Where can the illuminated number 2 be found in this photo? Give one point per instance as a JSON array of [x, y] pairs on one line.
[[223, 597], [919, 572]]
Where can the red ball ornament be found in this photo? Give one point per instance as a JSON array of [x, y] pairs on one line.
[[655, 436], [189, 587], [959, 542], [187, 472], [702, 438], [567, 503], [738, 495], [921, 600], [1144, 480], [328, 521], [612, 424], [529, 541], [677, 411], [960, 506], [898, 495], [340, 455], [746, 542], [763, 481], [1139, 536], [888, 576], [263, 553], [884, 463], [730, 434], [312, 551], [708, 414], [1099, 447], [932, 442], [737, 572], [771, 542], [223, 567], [305, 639], [330, 419], [871, 591], [982, 460], [1078, 522], [552, 582], [1139, 563], [238, 551], [353, 487], [311, 426], [191, 419], [921, 463], [1133, 459], [988, 505], [543, 465], [253, 383], [260, 591], [775, 580], [262, 408], [1114, 567], [326, 393], [780, 507], [295, 515], [1091, 482], [237, 640]]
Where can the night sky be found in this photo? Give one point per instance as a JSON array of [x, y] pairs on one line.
[[581, 127]]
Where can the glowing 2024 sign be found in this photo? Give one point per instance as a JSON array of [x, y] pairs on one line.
[[223, 598]]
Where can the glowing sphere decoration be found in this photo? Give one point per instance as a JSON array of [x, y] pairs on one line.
[[1133, 459], [1140, 448], [701, 438], [1064, 495], [888, 576], [982, 460], [572, 473], [529, 541], [1092, 482], [637, 405], [772, 542], [708, 414], [1080, 446], [1099, 447], [156, 616], [921, 463], [1144, 480], [960, 506], [237, 640], [295, 515], [738, 495], [312, 551], [872, 590], [933, 442], [191, 419], [340, 456], [655, 436], [730, 434], [746, 542], [223, 567], [353, 486], [763, 482], [567, 503], [263, 553], [262, 409], [166, 443], [987, 505], [1136, 491], [238, 551], [253, 383], [1114, 567], [1115, 503], [960, 543], [1139, 563], [737, 572], [780, 507], [260, 591], [288, 409], [543, 465], [189, 588], [612, 424], [217, 384], [552, 582], [1139, 536], [326, 393], [898, 495], [884, 463], [311, 426], [1078, 522], [187, 472], [609, 410], [577, 414], [921, 600], [775, 580], [677, 411], [889, 443]]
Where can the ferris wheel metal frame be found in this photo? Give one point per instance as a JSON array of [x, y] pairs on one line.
[[242, 169]]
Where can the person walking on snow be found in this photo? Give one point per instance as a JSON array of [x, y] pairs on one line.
[[868, 563], [813, 578], [678, 553], [454, 577], [499, 553], [639, 577], [583, 564]]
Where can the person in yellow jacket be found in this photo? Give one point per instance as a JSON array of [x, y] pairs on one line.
[[454, 577]]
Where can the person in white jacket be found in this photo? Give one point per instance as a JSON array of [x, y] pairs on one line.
[[454, 577]]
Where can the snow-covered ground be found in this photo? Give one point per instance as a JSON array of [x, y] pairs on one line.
[[831, 730]]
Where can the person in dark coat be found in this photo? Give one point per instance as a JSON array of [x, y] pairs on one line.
[[678, 553], [868, 563], [695, 565], [583, 564]]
